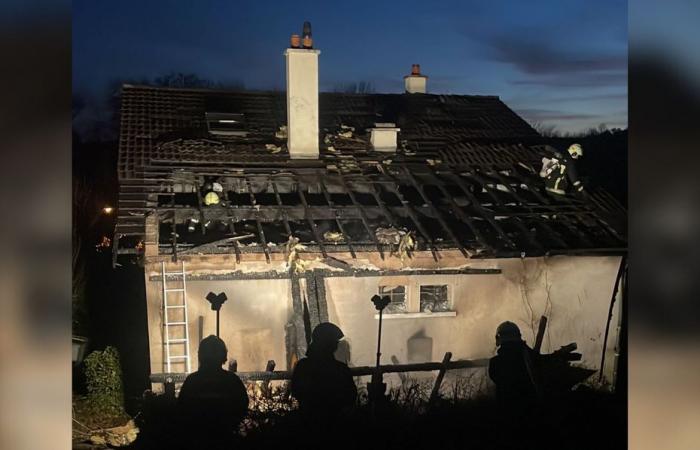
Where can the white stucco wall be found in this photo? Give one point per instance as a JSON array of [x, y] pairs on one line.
[[252, 321], [573, 292]]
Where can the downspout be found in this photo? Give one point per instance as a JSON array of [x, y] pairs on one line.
[[620, 271]]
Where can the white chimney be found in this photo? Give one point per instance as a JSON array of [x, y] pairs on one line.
[[415, 82], [383, 137], [302, 96]]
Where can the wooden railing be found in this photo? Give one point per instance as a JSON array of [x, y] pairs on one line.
[[271, 375]]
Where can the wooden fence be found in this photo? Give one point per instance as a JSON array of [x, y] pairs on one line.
[[271, 375]]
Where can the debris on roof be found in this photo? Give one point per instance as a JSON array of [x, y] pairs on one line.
[[292, 249], [462, 179], [333, 236]]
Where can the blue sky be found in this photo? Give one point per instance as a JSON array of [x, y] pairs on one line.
[[559, 62]]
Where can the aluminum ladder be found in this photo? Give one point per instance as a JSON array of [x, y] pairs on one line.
[[170, 326]]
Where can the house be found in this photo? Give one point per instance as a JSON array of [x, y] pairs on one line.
[[300, 206]]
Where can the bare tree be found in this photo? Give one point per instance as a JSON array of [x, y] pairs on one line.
[[546, 130], [81, 206]]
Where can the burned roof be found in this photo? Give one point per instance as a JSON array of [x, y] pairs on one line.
[[464, 176]]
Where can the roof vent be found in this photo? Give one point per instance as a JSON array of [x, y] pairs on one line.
[[416, 83], [226, 124], [383, 137]]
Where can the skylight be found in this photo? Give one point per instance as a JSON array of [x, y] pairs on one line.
[[227, 124]]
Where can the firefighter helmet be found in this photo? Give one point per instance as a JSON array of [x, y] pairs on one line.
[[507, 332], [576, 151], [326, 332], [212, 198]]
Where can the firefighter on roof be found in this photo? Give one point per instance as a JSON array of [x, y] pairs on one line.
[[559, 171]]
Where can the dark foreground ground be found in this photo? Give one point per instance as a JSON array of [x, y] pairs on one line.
[[583, 419]]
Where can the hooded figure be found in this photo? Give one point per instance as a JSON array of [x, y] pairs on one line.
[[212, 400], [514, 369], [322, 385]]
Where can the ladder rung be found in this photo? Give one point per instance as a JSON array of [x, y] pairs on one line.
[[175, 323], [175, 290], [175, 306], [176, 341], [179, 357]]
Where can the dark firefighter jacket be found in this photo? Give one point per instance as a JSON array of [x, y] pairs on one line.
[[515, 371], [560, 173], [323, 386], [212, 403]]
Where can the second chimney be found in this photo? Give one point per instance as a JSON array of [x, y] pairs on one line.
[[415, 82], [302, 96]]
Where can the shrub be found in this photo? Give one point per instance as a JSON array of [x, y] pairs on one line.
[[104, 383]]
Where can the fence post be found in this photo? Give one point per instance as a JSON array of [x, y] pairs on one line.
[[169, 388], [441, 374], [266, 383], [540, 334]]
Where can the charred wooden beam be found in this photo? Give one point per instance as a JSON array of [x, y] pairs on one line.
[[201, 211], [232, 228], [409, 210], [560, 241], [360, 273], [439, 217], [261, 233], [283, 213], [337, 218], [458, 211], [477, 205], [309, 219], [209, 245], [363, 214]]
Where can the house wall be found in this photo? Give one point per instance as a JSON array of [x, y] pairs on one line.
[[573, 292], [252, 321]]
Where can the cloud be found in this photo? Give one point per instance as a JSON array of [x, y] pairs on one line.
[[583, 79], [567, 52], [542, 57]]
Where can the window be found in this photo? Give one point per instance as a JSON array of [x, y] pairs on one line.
[[228, 124], [433, 298], [397, 297]]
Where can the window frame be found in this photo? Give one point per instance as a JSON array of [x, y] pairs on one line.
[[406, 299], [412, 290], [448, 296]]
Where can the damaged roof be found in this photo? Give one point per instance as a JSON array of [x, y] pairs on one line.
[[464, 177]]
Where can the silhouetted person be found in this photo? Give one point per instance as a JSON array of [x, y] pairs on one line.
[[212, 400], [514, 369], [323, 385]]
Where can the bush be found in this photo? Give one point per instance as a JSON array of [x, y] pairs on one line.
[[104, 383]]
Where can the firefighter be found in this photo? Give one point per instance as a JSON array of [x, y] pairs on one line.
[[560, 173], [514, 369], [212, 400], [323, 385]]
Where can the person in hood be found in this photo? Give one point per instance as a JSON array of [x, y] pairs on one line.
[[212, 401]]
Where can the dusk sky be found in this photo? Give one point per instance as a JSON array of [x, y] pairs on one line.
[[558, 62]]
